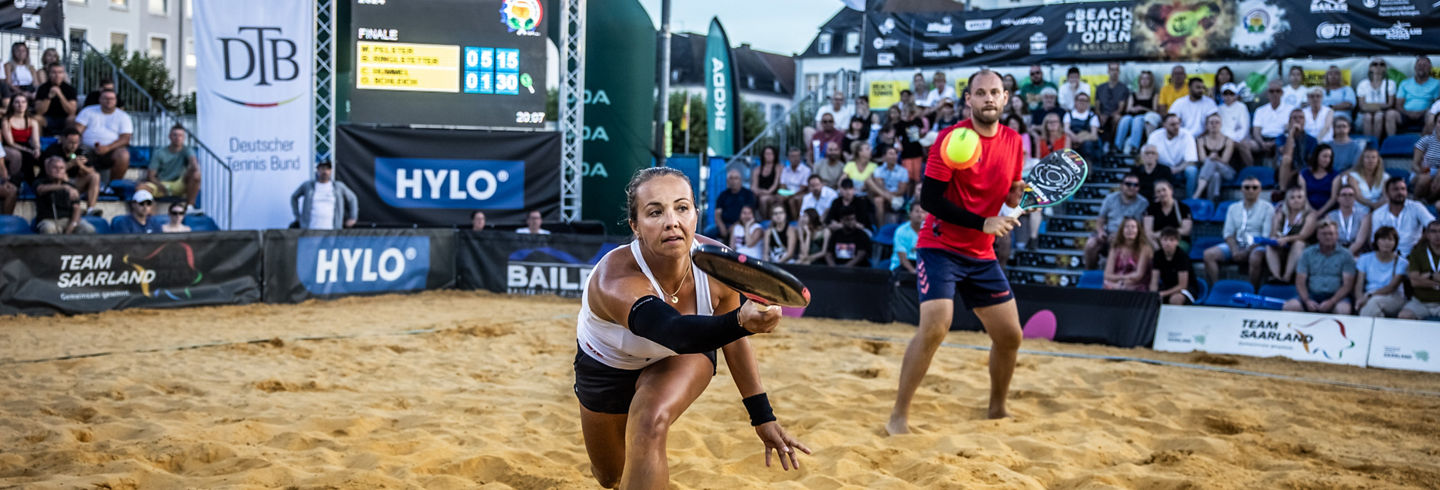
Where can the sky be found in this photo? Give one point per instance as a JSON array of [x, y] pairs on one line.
[[778, 26]]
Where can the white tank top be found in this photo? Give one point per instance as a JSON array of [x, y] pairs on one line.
[[617, 347]]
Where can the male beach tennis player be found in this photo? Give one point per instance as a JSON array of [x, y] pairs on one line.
[[956, 249]]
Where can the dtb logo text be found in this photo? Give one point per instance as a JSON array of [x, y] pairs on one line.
[[259, 53]]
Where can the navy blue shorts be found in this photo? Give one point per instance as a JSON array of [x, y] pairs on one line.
[[942, 274], [605, 389]]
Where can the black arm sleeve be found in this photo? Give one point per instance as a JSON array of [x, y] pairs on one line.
[[932, 197], [652, 319]]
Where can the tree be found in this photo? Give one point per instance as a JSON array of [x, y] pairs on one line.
[[149, 73], [752, 123]]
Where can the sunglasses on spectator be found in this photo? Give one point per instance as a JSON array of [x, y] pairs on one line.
[[146, 203], [1130, 184], [1377, 63], [1250, 187], [178, 211]]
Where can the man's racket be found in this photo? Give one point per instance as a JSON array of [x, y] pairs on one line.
[[1053, 180], [761, 281]]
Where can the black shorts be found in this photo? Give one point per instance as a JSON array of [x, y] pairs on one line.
[[605, 389], [105, 162], [942, 274]]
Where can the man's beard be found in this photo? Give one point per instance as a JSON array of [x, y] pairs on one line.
[[980, 116], [1393, 200]]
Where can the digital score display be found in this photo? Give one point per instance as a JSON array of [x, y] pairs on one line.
[[478, 63]]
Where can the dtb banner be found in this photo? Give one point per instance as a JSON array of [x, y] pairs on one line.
[[42, 17], [722, 111], [1336, 339], [300, 265], [529, 264], [75, 274], [254, 101], [435, 177]]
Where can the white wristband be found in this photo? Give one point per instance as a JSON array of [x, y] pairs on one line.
[[1006, 210]]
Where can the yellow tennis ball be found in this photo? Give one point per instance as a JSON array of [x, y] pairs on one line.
[[961, 149]]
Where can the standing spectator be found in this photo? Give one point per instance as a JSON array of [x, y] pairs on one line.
[[1416, 94], [1225, 76], [1171, 270], [1139, 110], [814, 238], [19, 73], [1072, 87], [1052, 137], [1368, 179], [1376, 95], [177, 219], [1379, 277], [1294, 225], [1319, 179], [56, 100], [1424, 163], [1110, 98], [904, 253], [1325, 277], [837, 110], [1319, 120], [821, 140], [1338, 96], [533, 222], [93, 98], [1048, 106], [1173, 91], [174, 170], [1347, 150], [1194, 108], [1425, 285], [1244, 221], [1150, 171], [1269, 122], [21, 134], [1295, 89], [49, 56], [832, 169], [1352, 221], [939, 93], [139, 220], [1166, 212], [746, 235], [78, 159], [477, 220], [848, 203], [328, 204], [921, 91], [765, 179], [729, 203], [1034, 85], [819, 197], [57, 203], [889, 185], [909, 131], [107, 128], [1405, 216], [1295, 145], [1128, 267], [1082, 128], [1235, 122], [1217, 151], [1177, 151], [781, 239], [794, 180], [1121, 204], [849, 244]]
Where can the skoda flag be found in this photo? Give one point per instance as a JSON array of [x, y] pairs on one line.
[[720, 103]]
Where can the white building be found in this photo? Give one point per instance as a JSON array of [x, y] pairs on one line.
[[832, 61], [765, 78], [161, 28]]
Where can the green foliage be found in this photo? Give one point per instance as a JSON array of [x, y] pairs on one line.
[[752, 123], [552, 105], [150, 73]]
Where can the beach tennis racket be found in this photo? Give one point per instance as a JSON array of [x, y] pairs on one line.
[[763, 282], [1053, 180]]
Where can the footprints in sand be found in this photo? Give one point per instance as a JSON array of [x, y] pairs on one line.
[[276, 386]]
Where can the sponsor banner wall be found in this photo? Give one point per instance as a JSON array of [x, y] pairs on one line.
[[39, 17], [75, 274], [512, 263], [1335, 339], [301, 265], [1405, 344], [254, 102], [436, 177]]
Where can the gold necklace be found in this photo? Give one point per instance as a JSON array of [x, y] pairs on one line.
[[675, 296]]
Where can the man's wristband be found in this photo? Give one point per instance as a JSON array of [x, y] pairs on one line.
[[759, 408]]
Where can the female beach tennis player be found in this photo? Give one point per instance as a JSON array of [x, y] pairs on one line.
[[649, 325]]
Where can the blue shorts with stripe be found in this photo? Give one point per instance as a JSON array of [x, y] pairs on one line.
[[943, 273]]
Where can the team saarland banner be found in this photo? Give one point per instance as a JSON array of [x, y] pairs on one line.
[[254, 102], [76, 274], [720, 104], [1336, 339]]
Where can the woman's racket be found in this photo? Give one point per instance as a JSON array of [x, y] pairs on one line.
[[761, 281], [1053, 180]]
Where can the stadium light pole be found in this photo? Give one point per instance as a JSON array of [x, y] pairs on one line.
[[662, 105]]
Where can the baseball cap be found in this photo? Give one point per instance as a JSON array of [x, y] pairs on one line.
[[142, 196], [1229, 87]]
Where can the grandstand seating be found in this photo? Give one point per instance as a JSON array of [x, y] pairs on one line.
[[1400, 145], [1200, 209], [101, 227], [1220, 210], [1398, 172], [1198, 246], [1203, 289], [1265, 174], [1279, 291], [1224, 290], [200, 222], [1092, 279], [13, 225]]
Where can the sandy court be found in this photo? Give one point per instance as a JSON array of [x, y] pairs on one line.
[[462, 390]]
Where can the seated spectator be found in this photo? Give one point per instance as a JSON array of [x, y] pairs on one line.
[[327, 204], [827, 134], [849, 203], [1407, 217], [1048, 105], [1225, 76], [1123, 203], [1295, 89], [78, 160], [940, 92], [56, 100], [1269, 122], [849, 244], [1379, 276], [861, 168], [819, 197], [837, 110], [765, 178], [1072, 87], [1166, 212], [57, 203], [1194, 108], [921, 89], [857, 130], [1376, 101], [1338, 96], [1177, 151], [1149, 171], [21, 133], [945, 117], [533, 220], [1425, 163], [1173, 91], [909, 132], [1017, 107], [1318, 179], [1368, 179], [1425, 285], [1128, 267], [1352, 221], [1319, 120], [477, 221], [1082, 128], [1110, 98], [832, 169], [1347, 150], [9, 192], [781, 239], [46, 58], [138, 221], [1171, 270], [1052, 136], [1244, 221], [177, 219], [93, 98], [107, 129], [1217, 152], [1325, 277], [729, 203], [1139, 109], [19, 73], [889, 184], [746, 235], [794, 180], [1296, 148], [1294, 225], [1033, 87], [903, 255], [1012, 87], [814, 238], [1416, 94], [1017, 123], [174, 170], [1235, 122]]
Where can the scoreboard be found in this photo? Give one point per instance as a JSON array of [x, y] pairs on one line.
[[474, 63]]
